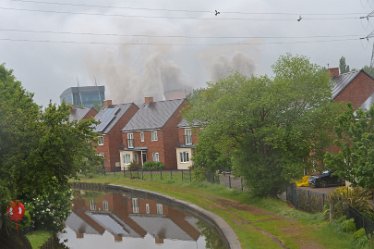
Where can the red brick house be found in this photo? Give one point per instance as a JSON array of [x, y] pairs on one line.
[[77, 114], [355, 87], [152, 135], [112, 118], [187, 140]]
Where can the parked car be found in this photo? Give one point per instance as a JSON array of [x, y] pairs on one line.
[[326, 179]]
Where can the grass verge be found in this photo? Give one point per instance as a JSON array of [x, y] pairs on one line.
[[38, 238]]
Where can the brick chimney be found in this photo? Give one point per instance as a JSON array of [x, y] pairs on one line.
[[148, 100], [334, 72], [107, 103]]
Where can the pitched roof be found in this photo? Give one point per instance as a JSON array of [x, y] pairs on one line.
[[109, 116], [78, 114], [340, 82], [153, 116]]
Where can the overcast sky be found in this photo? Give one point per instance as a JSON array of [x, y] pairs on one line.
[[149, 47]]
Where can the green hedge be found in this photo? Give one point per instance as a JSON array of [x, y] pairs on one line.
[[153, 166]]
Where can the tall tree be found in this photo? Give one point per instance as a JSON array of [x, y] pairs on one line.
[[344, 68], [267, 127], [39, 150]]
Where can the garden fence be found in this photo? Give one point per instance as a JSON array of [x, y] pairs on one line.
[[305, 199]]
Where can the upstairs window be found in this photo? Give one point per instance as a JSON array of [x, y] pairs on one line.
[[130, 140], [100, 140], [187, 136], [142, 136], [154, 136]]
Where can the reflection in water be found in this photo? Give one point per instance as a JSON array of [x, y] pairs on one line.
[[121, 220]]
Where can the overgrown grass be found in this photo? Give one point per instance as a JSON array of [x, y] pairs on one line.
[[38, 238], [259, 223]]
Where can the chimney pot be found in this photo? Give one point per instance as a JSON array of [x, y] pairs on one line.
[[107, 103], [148, 100], [334, 72]]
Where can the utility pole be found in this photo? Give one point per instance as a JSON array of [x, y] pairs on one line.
[[372, 57]]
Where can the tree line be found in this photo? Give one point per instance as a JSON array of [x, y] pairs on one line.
[[271, 130]]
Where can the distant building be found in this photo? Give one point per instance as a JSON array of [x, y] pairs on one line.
[[83, 96]]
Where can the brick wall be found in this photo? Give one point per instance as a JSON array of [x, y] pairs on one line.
[[357, 91], [91, 114], [195, 135], [170, 138]]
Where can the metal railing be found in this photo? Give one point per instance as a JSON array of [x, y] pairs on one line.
[[361, 220]]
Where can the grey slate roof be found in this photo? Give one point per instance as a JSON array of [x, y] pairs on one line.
[[340, 82], [108, 117], [78, 114], [153, 116]]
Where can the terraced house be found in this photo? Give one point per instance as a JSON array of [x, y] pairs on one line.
[[151, 134], [112, 118]]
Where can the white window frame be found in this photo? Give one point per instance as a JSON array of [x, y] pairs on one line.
[[100, 140], [130, 140], [126, 158], [105, 205], [188, 136], [184, 157], [155, 156], [92, 205], [135, 205], [142, 136], [154, 136], [160, 209], [147, 208]]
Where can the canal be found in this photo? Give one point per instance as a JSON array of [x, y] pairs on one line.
[[124, 219]]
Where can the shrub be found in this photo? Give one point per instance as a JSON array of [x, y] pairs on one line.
[[49, 211], [360, 238], [348, 226], [134, 166], [153, 166], [345, 197]]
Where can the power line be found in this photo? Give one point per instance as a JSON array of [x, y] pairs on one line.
[[171, 36], [185, 10], [171, 44], [171, 17]]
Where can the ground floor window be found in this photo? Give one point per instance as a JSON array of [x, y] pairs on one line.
[[127, 158], [184, 157], [155, 156]]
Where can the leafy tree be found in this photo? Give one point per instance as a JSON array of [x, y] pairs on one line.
[[355, 160], [39, 150], [369, 70], [344, 68], [265, 127]]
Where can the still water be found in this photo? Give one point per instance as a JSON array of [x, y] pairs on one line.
[[123, 220]]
